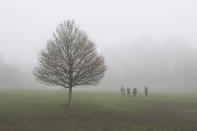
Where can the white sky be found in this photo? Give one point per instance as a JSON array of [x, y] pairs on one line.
[[26, 25]]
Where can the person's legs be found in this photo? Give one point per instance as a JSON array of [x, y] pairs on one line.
[[122, 93]]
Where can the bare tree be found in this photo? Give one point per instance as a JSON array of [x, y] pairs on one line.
[[69, 60]]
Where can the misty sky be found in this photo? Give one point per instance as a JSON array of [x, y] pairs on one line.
[[167, 27]]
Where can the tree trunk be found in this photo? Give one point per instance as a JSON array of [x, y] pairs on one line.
[[70, 97]]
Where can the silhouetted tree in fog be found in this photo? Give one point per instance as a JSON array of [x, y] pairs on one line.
[[70, 59]]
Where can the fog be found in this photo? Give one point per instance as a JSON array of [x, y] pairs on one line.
[[169, 66], [144, 42]]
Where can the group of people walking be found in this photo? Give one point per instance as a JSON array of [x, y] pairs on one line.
[[122, 89]]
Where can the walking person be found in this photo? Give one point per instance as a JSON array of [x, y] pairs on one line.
[[146, 90], [122, 89], [128, 91], [134, 91]]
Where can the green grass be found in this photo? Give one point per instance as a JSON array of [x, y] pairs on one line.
[[23, 110]]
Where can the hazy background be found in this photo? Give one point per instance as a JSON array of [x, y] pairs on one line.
[[149, 42]]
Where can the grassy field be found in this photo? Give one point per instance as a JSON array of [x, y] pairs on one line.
[[23, 110]]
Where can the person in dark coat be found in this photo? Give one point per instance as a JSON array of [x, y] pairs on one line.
[[134, 91], [128, 91], [146, 90]]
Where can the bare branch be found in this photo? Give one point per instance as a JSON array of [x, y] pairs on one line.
[[70, 59]]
